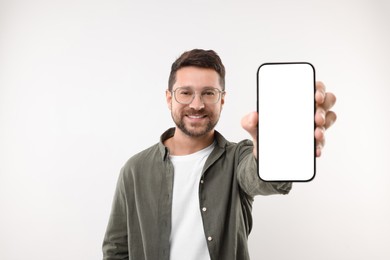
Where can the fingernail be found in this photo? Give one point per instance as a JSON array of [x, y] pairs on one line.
[[323, 116]]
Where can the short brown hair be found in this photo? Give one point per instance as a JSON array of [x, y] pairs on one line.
[[207, 59]]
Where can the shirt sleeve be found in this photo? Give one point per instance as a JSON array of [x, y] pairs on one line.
[[115, 243], [249, 180]]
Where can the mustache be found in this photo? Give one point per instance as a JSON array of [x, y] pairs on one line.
[[193, 112]]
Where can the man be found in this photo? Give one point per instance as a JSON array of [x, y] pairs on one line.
[[190, 196]]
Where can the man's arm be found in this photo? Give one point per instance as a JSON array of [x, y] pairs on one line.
[[249, 180]]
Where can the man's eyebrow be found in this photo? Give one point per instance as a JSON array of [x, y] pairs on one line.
[[185, 87], [203, 88]]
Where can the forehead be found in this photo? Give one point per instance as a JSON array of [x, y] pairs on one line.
[[197, 78]]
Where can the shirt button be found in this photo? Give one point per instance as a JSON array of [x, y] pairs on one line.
[[201, 181], [204, 209], [209, 238]]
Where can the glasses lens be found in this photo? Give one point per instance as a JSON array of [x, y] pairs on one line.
[[184, 95], [210, 96]]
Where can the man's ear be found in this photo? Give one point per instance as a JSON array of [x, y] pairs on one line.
[[223, 99], [168, 96]]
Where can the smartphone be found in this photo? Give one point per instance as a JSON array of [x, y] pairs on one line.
[[286, 145]]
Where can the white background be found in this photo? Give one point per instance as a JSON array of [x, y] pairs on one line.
[[82, 89]]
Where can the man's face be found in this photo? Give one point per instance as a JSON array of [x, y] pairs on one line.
[[197, 118]]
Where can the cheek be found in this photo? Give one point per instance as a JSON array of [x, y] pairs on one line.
[[176, 109], [218, 108]]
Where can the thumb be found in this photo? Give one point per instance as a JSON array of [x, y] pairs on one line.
[[249, 123]]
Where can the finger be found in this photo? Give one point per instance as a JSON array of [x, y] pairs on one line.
[[319, 133], [320, 92], [331, 117], [319, 148], [320, 116], [330, 100], [320, 140], [318, 152]]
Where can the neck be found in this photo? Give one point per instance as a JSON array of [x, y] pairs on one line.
[[182, 144]]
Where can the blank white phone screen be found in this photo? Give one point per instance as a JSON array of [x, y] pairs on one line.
[[286, 107]]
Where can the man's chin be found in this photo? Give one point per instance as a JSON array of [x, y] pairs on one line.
[[196, 131]]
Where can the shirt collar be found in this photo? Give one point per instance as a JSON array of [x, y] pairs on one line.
[[219, 139]]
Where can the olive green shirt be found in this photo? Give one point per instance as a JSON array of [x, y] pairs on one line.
[[140, 221]]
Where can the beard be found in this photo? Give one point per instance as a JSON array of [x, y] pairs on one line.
[[195, 129]]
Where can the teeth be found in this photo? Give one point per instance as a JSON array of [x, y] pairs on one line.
[[195, 116]]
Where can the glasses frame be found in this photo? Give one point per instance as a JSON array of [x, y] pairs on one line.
[[220, 93]]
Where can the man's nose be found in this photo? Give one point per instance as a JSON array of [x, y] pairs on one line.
[[197, 102]]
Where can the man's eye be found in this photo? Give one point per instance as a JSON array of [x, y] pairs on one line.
[[208, 93], [186, 93]]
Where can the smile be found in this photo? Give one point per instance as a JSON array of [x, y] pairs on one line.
[[196, 116]]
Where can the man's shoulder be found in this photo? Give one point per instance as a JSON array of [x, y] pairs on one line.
[[152, 155], [147, 156], [243, 144], [224, 143]]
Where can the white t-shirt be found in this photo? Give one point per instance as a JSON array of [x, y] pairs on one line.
[[188, 240]]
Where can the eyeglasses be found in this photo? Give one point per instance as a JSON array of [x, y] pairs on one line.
[[185, 95]]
